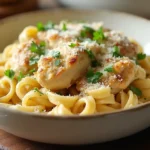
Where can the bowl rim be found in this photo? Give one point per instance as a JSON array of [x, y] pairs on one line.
[[72, 117]]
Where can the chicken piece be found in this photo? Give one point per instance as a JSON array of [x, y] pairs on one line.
[[130, 50], [125, 72], [19, 62], [56, 38], [72, 66], [127, 48]]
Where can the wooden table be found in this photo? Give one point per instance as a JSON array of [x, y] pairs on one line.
[[139, 141]]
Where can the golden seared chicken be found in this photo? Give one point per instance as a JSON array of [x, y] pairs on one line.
[[118, 74], [83, 55], [127, 48], [83, 67], [117, 61], [67, 32], [61, 67], [19, 61], [125, 72]]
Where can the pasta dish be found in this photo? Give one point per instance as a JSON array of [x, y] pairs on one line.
[[73, 68]]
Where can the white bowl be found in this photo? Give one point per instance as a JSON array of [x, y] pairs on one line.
[[75, 130], [140, 7]]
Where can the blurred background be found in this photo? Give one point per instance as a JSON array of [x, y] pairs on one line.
[[138, 7]]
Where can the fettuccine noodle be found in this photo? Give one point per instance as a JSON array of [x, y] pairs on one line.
[[73, 69]]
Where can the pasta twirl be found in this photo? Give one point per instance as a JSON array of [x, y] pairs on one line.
[[128, 100], [67, 101], [60, 110], [8, 51], [85, 106], [107, 100], [2, 61], [144, 86], [25, 85], [33, 98], [100, 93], [73, 69], [7, 89], [1, 71], [28, 33]]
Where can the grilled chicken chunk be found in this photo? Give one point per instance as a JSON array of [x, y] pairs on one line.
[[20, 58], [59, 73], [125, 71]]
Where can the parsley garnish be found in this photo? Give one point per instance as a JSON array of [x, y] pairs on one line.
[[55, 54], [37, 90], [21, 75], [9, 73], [141, 56], [136, 91], [87, 32], [57, 62], [64, 27], [72, 45], [94, 62], [33, 60], [32, 71], [42, 27], [42, 44], [38, 49], [90, 54], [109, 69], [93, 77], [116, 52], [99, 35]]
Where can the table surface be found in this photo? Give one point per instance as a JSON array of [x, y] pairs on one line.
[[139, 141]]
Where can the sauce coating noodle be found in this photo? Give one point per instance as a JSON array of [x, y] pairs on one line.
[[73, 68]]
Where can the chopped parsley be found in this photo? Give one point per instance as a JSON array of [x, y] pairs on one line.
[[33, 60], [90, 54], [57, 62], [9, 73], [21, 75], [38, 49], [64, 27], [55, 54], [32, 71], [42, 44], [141, 56], [37, 90], [109, 68], [94, 62], [99, 35], [42, 27], [93, 77], [136, 91], [72, 45], [116, 52], [87, 32]]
